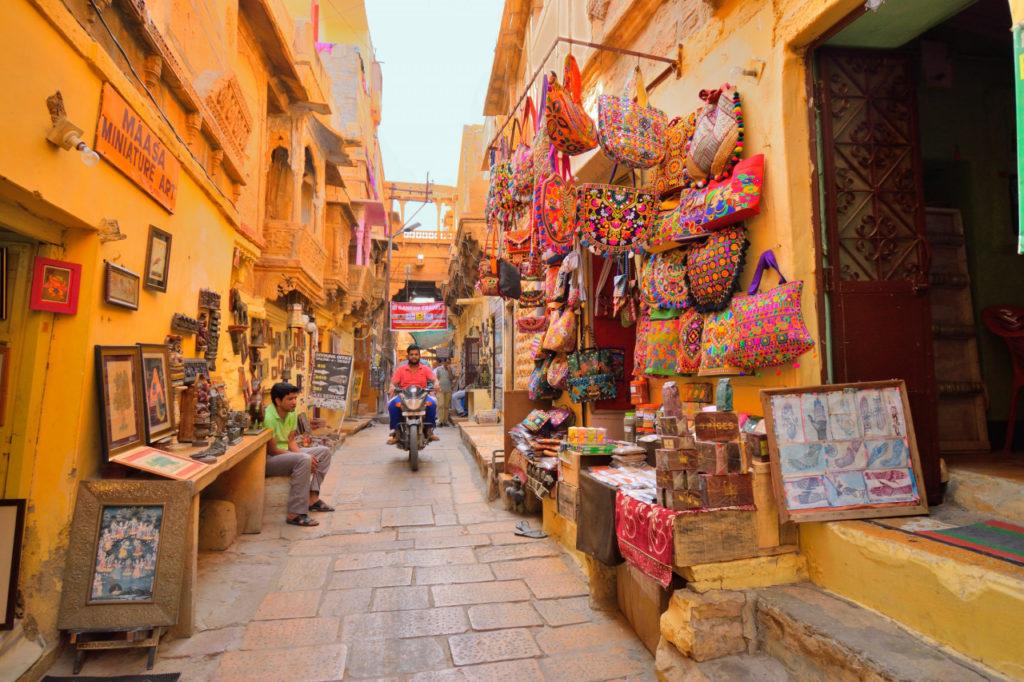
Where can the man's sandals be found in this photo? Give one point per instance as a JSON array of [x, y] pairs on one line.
[[302, 520], [320, 506]]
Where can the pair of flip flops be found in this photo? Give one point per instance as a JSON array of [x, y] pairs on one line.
[[523, 529], [305, 519]]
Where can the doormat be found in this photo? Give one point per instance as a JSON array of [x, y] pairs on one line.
[[166, 677], [993, 538]]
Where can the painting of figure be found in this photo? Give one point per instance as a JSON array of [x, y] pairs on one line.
[[156, 390], [126, 554]]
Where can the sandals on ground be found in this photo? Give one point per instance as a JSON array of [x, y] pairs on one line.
[[302, 520], [320, 506]]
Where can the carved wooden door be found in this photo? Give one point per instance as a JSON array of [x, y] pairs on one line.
[[877, 259]]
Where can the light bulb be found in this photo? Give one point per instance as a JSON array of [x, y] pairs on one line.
[[89, 157], [311, 326]]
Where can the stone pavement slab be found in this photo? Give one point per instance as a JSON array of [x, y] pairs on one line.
[[480, 593], [499, 645], [308, 663]]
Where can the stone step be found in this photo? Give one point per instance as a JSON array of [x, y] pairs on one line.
[[989, 487], [969, 602], [819, 636], [672, 666]]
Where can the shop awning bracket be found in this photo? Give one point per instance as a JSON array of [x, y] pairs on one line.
[[675, 66]]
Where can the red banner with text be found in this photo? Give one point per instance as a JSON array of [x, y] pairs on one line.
[[418, 317]]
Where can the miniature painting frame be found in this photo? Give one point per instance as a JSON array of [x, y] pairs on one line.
[[12, 532], [119, 380], [88, 602], [157, 391], [120, 286], [55, 286], [810, 397], [158, 259], [162, 463]]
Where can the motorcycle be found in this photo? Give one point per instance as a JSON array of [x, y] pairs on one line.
[[411, 435]]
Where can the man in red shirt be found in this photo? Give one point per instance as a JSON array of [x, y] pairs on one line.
[[413, 373]]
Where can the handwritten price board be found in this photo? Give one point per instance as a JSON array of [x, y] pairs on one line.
[[328, 384]]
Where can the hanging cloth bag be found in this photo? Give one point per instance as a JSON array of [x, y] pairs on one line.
[[691, 332], [487, 281], [769, 326], [560, 336], [713, 268], [613, 219], [717, 140], [632, 132], [662, 343], [717, 340], [569, 127], [669, 176], [522, 159], [665, 280], [722, 203], [554, 210], [592, 373]]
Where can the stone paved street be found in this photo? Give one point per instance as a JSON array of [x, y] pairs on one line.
[[414, 577]]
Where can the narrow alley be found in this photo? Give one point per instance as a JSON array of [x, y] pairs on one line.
[[415, 576]]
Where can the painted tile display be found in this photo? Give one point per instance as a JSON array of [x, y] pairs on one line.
[[843, 448]]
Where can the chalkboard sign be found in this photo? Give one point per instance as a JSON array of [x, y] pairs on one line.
[[328, 386]]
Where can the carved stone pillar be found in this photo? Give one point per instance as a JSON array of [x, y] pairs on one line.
[[152, 67], [216, 158], [193, 126]]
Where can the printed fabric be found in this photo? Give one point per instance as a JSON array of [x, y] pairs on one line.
[[716, 342], [643, 329], [717, 136], [613, 219], [645, 534], [721, 203], [670, 175], [569, 127], [713, 269], [770, 329], [663, 347], [630, 133], [554, 215], [691, 331], [665, 279]]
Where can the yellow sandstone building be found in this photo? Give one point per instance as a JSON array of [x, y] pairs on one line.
[[241, 135]]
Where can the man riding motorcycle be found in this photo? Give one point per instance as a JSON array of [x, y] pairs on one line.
[[412, 373]]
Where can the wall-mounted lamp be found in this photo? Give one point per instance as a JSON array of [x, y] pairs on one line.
[[66, 134]]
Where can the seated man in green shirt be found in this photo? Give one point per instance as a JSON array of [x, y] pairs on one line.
[[306, 466]]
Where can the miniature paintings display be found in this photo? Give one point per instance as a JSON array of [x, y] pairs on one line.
[[158, 259], [120, 286], [125, 562], [122, 410], [156, 389], [162, 463], [12, 527], [55, 286], [844, 451]]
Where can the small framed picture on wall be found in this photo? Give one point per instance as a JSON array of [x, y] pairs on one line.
[[121, 286], [158, 259]]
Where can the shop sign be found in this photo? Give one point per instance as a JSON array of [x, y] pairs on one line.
[[328, 385], [719, 427], [418, 317], [131, 146]]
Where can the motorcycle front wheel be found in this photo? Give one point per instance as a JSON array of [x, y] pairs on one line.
[[414, 447]]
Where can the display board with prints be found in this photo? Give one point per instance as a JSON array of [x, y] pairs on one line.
[[843, 451]]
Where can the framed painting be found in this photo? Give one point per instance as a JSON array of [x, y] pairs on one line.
[[157, 391], [158, 259], [125, 563], [55, 286], [122, 408], [161, 463], [120, 286], [843, 451], [5, 369], [12, 529]]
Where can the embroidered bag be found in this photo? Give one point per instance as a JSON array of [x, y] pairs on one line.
[[554, 210], [713, 268], [625, 294], [721, 203], [717, 340], [553, 292], [691, 330], [770, 329], [592, 388], [538, 387], [717, 139], [531, 320], [501, 205], [510, 282], [518, 245], [613, 219], [487, 283], [592, 372], [561, 334], [569, 127], [643, 328], [523, 171], [665, 279], [664, 228], [558, 372], [663, 343], [532, 297], [630, 130], [670, 174], [541, 146]]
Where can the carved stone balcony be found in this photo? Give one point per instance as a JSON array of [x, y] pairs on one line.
[[292, 253]]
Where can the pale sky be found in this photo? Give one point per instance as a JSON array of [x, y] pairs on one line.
[[436, 58]]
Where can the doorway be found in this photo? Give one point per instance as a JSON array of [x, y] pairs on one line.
[[917, 139]]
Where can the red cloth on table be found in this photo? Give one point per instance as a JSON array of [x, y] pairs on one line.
[[645, 536]]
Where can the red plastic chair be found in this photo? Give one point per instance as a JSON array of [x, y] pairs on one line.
[[1007, 321]]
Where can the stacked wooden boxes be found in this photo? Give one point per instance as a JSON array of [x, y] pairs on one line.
[[572, 458]]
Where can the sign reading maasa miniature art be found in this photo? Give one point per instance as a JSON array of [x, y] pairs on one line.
[[843, 451]]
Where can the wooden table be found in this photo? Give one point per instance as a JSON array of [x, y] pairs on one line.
[[239, 476]]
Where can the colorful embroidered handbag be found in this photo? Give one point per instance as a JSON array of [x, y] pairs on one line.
[[717, 140], [722, 203], [487, 282], [553, 292], [717, 340], [663, 235], [770, 329], [713, 268], [670, 174], [558, 372], [518, 245], [538, 387], [554, 211], [569, 127], [643, 328], [561, 334], [691, 330], [665, 279], [592, 388], [541, 146], [631, 131], [663, 343], [612, 219], [532, 297], [531, 320], [523, 172]]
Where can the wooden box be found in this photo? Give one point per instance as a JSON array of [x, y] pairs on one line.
[[720, 427], [726, 490], [676, 480], [683, 499], [676, 460], [718, 458], [684, 442], [642, 600], [569, 464], [670, 426], [568, 500], [753, 448], [710, 535]]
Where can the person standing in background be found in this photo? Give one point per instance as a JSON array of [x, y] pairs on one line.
[[444, 388]]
